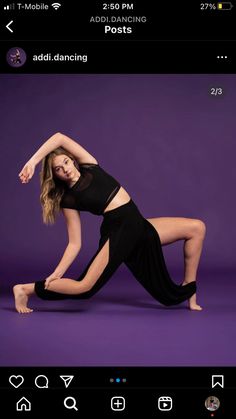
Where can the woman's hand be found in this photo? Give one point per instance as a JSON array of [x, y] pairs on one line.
[[49, 279], [27, 172]]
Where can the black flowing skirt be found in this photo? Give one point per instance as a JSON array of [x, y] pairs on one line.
[[134, 241]]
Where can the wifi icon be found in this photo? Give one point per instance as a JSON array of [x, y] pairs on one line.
[[56, 5]]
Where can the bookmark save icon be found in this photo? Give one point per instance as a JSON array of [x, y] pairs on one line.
[[67, 379]]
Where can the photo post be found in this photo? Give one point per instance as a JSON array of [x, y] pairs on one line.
[[117, 287]]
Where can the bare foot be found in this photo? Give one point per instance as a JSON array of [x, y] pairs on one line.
[[21, 299], [194, 306], [192, 302]]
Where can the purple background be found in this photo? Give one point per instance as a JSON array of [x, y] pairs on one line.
[[172, 146]]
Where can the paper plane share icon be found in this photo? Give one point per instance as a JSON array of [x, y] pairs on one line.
[[67, 379]]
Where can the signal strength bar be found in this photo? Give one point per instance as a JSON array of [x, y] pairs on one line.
[[9, 7]]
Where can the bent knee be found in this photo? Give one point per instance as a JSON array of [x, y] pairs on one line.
[[199, 228], [18, 287]]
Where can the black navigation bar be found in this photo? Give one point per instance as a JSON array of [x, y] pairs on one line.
[[117, 20], [108, 391]]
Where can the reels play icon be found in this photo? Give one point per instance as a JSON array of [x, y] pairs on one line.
[[165, 403]]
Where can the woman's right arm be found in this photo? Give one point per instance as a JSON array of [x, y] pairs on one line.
[[73, 223], [51, 144], [57, 140]]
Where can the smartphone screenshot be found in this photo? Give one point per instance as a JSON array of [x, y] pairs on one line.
[[117, 291]]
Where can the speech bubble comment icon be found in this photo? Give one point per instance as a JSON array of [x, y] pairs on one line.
[[41, 381]]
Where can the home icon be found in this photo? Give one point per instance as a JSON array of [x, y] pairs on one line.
[[23, 405]]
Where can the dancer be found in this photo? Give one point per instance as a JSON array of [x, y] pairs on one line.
[[72, 181]]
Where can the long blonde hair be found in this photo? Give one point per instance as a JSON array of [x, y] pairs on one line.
[[52, 188]]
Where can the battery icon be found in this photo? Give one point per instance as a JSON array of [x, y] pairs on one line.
[[226, 5]]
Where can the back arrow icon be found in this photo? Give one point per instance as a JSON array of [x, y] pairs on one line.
[[8, 26]]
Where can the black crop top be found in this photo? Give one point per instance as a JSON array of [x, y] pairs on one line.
[[94, 190]]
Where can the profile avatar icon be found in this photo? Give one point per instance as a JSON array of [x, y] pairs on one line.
[[16, 57], [212, 403]]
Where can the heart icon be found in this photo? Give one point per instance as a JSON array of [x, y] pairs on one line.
[[16, 380]]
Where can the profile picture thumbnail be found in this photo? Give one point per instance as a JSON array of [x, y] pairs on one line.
[[212, 403], [16, 57]]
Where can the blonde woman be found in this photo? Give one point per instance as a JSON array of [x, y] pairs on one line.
[[72, 181]]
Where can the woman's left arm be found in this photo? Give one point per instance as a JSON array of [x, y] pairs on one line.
[[73, 222]]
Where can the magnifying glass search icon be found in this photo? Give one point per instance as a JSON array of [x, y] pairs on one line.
[[70, 403]]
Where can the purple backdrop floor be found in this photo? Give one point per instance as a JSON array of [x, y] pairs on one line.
[[123, 325]]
